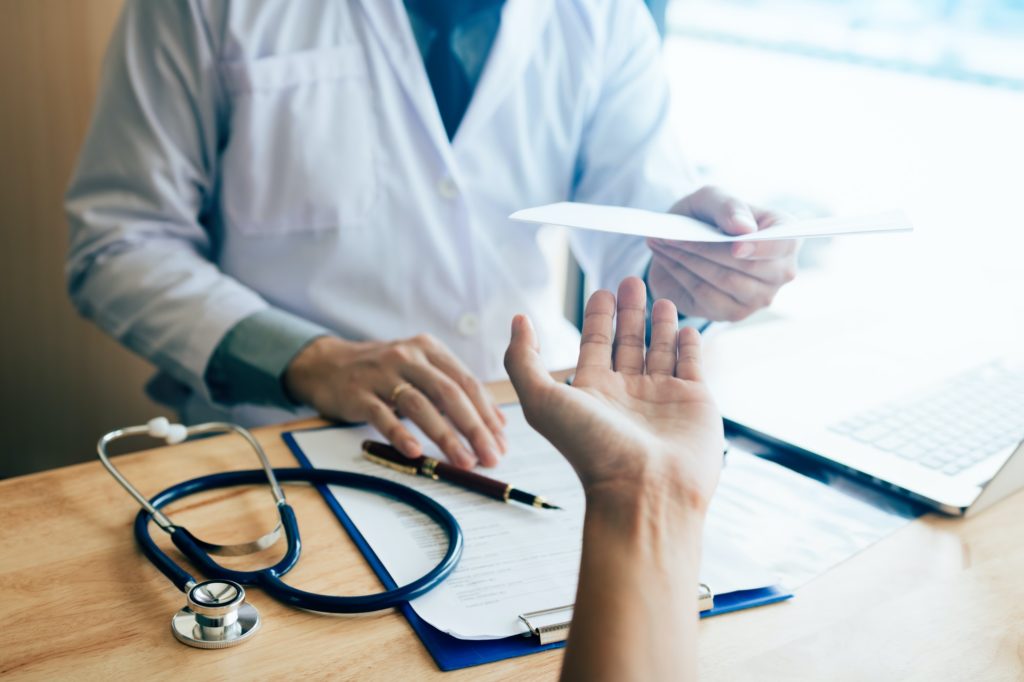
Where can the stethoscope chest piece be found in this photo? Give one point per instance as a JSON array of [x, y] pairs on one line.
[[216, 616]]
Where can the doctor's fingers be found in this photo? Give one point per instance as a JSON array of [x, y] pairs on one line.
[[443, 359], [719, 208], [779, 269], [418, 408], [771, 274], [663, 285], [766, 249], [744, 289], [708, 301], [449, 398], [383, 418]]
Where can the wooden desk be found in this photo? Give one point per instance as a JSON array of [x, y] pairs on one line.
[[940, 599]]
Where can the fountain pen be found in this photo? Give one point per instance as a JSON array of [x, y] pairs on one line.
[[386, 455]]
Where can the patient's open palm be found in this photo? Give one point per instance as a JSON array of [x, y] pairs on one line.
[[627, 418]]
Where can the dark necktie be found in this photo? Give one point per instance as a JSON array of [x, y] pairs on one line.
[[452, 89]]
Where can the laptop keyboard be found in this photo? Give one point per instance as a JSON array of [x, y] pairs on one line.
[[974, 416]]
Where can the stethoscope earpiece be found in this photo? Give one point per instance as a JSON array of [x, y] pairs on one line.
[[161, 427], [216, 616]]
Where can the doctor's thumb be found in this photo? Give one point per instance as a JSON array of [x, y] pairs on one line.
[[736, 218]]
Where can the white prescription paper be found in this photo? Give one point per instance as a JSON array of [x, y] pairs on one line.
[[517, 559], [636, 221]]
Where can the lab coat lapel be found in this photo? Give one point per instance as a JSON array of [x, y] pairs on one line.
[[390, 23], [522, 22]]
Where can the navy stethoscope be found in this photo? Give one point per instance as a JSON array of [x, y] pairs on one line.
[[216, 614]]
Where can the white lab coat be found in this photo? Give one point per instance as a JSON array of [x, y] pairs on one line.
[[290, 154]]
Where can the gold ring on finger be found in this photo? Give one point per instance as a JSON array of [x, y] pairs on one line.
[[397, 391]]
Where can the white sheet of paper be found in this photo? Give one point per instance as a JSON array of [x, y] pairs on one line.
[[766, 525], [517, 559], [636, 221], [795, 526]]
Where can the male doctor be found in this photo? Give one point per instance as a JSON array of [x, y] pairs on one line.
[[303, 205]]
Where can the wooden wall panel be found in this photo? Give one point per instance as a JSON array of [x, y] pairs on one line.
[[62, 382]]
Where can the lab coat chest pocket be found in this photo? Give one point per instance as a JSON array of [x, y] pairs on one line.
[[301, 143]]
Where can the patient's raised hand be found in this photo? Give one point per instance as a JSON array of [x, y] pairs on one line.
[[632, 423]]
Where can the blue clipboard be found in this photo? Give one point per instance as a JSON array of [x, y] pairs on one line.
[[452, 653]]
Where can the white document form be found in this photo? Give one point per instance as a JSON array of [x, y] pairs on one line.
[[767, 525], [795, 526], [636, 221], [517, 559]]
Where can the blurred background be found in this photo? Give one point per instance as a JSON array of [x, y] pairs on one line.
[[811, 106]]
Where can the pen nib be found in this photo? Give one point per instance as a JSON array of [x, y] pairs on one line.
[[548, 505]]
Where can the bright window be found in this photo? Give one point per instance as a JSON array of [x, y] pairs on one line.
[[829, 106]]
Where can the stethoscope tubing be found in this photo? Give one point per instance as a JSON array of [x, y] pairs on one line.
[[269, 578]]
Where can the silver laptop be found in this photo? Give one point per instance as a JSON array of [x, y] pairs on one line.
[[948, 433]]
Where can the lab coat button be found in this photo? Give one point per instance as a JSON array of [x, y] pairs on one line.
[[469, 324], [447, 188]]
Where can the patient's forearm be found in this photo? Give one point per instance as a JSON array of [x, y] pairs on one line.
[[636, 606]]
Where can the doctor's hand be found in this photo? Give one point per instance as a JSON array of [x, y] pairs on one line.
[[722, 281], [418, 378], [631, 425]]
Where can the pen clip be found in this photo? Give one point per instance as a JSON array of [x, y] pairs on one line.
[[410, 469]]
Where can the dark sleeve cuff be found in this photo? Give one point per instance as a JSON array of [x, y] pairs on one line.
[[248, 364]]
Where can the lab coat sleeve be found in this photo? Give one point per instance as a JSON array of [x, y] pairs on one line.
[[139, 263], [628, 153]]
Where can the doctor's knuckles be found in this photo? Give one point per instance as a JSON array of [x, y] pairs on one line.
[[729, 281], [419, 378]]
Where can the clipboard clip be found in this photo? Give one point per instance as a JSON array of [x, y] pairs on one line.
[[549, 625], [552, 625]]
